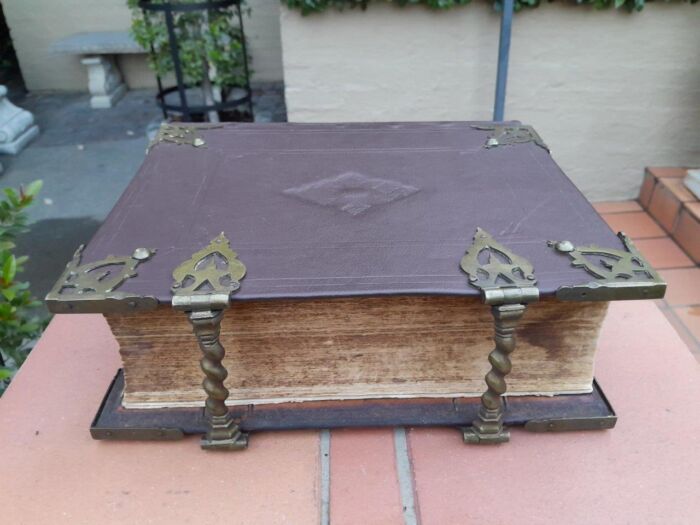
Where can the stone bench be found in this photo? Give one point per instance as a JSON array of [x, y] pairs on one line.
[[99, 50]]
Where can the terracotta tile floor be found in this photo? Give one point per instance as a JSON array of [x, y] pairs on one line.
[[645, 471], [682, 302]]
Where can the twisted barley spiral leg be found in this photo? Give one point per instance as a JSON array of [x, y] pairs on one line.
[[223, 432], [488, 427]]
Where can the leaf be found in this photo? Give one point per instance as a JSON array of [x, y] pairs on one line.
[[22, 286], [9, 269], [30, 328], [5, 312], [9, 294], [5, 373], [12, 196], [33, 188]]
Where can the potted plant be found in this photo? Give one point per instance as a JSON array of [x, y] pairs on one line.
[[203, 44]]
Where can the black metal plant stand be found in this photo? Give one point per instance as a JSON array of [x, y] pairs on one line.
[[240, 107]]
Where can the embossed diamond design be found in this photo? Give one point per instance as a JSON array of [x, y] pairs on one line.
[[352, 192]]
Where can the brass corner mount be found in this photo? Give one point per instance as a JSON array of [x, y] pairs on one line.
[[620, 274], [91, 287], [508, 135], [179, 134]]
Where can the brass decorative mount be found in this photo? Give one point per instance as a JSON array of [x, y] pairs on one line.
[[507, 283], [502, 276], [90, 287], [202, 288]]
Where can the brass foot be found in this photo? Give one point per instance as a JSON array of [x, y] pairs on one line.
[[487, 429], [224, 434], [474, 437], [240, 442]]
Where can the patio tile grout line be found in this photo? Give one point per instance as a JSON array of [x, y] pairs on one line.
[[635, 239], [684, 305], [670, 312], [404, 473], [325, 456], [618, 212], [669, 236], [666, 234]]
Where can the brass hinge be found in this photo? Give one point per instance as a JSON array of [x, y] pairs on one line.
[[621, 274], [202, 288], [90, 287], [507, 283]]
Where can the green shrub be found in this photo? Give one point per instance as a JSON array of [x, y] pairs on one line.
[[19, 328], [314, 6]]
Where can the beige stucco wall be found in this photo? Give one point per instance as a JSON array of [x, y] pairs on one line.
[[610, 92], [35, 24]]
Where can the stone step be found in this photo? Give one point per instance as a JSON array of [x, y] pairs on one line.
[[676, 209]]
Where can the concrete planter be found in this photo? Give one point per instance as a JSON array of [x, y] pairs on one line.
[[609, 91]]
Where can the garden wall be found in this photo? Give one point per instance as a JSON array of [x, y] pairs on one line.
[[609, 91], [35, 24]]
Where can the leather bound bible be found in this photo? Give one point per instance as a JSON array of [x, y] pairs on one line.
[[346, 242], [356, 348]]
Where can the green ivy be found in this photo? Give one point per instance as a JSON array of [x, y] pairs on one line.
[[316, 6], [209, 42], [18, 327]]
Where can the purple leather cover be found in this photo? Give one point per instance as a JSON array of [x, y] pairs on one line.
[[348, 209]]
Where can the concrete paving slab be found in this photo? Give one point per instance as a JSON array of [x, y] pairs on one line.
[[78, 181], [67, 118]]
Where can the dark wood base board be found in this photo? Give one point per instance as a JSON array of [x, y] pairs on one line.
[[536, 413]]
